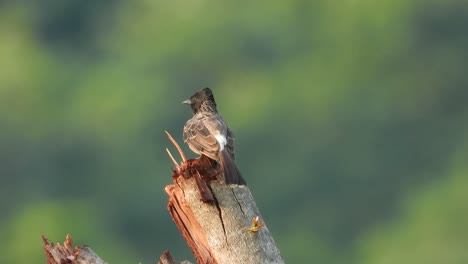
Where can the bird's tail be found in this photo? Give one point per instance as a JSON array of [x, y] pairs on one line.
[[231, 172]]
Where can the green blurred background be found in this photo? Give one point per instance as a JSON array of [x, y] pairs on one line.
[[351, 120]]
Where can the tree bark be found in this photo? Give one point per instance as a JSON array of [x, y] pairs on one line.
[[221, 231]]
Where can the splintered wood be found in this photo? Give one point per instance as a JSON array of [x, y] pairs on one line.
[[57, 254]]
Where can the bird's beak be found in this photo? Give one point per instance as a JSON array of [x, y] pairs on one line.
[[187, 102]]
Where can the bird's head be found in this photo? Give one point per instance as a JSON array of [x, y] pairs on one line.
[[202, 100]]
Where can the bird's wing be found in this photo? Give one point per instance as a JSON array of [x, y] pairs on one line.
[[230, 144], [200, 139]]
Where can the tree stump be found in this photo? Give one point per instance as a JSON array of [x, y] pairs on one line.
[[221, 231]]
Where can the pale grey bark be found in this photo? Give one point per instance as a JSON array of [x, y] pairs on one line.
[[219, 232]]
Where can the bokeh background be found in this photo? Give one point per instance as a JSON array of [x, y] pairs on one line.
[[351, 120]]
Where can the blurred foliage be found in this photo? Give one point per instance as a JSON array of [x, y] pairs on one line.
[[353, 113], [432, 229]]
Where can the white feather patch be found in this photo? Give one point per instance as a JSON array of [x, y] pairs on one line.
[[221, 140]]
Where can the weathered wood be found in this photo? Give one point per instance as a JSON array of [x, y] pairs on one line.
[[218, 232], [57, 254]]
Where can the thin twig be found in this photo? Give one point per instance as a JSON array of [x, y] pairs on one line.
[[177, 146], [173, 160]]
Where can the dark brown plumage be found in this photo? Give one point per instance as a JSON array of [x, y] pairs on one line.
[[207, 134]]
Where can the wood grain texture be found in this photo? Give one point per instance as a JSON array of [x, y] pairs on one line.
[[217, 232]]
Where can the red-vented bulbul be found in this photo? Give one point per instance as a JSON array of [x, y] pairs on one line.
[[207, 134]]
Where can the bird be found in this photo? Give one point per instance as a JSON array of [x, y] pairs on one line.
[[207, 134]]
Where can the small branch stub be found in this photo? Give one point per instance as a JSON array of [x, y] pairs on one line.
[[57, 254]]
